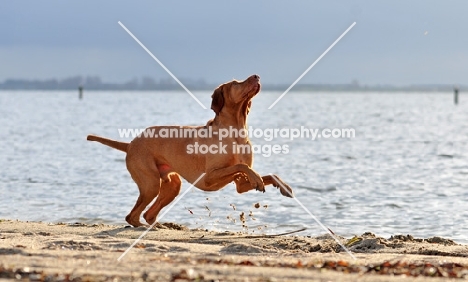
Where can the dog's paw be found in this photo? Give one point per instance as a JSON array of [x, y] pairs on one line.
[[260, 188], [286, 191], [258, 185], [256, 182], [150, 219], [284, 188], [135, 222]]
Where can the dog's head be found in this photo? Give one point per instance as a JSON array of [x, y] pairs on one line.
[[235, 95]]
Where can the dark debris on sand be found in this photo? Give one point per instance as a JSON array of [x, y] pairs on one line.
[[413, 269]]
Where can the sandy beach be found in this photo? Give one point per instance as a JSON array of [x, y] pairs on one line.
[[78, 252]]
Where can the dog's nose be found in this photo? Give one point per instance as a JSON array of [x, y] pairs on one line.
[[256, 76]]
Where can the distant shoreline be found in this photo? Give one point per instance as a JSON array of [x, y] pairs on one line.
[[297, 88], [149, 84]]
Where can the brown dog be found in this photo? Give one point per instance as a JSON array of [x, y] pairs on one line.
[[156, 163]]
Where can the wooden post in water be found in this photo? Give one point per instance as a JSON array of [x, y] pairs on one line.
[[455, 95], [80, 92]]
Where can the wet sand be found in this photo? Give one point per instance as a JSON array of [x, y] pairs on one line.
[[79, 252]]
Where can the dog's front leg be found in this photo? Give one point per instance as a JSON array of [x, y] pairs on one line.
[[243, 185], [220, 177], [278, 183]]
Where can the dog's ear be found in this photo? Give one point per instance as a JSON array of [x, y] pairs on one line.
[[217, 102]]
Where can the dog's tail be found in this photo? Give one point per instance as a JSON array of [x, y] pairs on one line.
[[122, 146]]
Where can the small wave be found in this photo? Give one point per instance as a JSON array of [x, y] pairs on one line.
[[30, 180], [446, 156], [393, 206], [319, 190], [349, 157]]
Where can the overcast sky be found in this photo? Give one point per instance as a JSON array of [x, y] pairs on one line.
[[394, 42]]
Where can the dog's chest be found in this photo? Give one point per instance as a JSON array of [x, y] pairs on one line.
[[242, 152]]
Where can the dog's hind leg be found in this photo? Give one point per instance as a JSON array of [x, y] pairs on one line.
[[148, 180], [169, 190]]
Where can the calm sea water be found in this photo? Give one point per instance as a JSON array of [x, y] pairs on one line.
[[405, 172]]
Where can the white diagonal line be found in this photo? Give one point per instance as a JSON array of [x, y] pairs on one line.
[[161, 64], [162, 215], [313, 217], [311, 66]]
